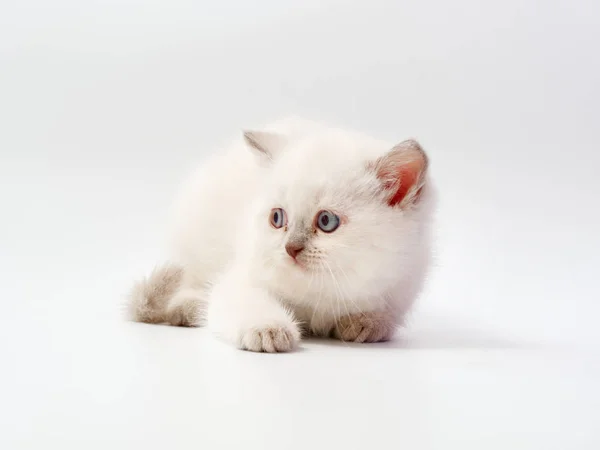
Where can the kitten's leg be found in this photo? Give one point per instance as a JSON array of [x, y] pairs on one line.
[[249, 317], [365, 327]]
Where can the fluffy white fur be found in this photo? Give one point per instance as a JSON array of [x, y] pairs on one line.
[[231, 270]]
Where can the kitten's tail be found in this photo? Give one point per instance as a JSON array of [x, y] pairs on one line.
[[160, 298]]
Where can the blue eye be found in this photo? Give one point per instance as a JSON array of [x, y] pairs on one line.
[[278, 218], [327, 221]]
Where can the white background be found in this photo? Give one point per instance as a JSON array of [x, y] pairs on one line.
[[106, 105]]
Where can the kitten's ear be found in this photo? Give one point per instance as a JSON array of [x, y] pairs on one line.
[[264, 142], [402, 173]]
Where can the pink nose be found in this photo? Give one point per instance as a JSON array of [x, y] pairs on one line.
[[293, 248]]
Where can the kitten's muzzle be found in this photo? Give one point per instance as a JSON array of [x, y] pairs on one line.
[[293, 248]]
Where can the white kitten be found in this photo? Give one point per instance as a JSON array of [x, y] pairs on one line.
[[297, 227]]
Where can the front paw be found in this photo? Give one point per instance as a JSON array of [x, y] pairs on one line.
[[275, 338], [365, 327]]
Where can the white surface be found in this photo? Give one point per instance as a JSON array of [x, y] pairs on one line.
[[104, 106]]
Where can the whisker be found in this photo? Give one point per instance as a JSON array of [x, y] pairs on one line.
[[339, 287], [339, 294], [349, 298]]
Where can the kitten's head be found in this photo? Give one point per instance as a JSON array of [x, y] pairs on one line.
[[340, 216]]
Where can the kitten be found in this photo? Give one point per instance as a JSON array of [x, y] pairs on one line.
[[296, 228]]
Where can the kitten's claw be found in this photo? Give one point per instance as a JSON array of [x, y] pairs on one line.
[[271, 339], [365, 327]]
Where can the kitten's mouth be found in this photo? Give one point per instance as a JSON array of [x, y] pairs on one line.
[[299, 264]]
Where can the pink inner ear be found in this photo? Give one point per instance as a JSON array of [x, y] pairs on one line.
[[401, 170], [407, 177]]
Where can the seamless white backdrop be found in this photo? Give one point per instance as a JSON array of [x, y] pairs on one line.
[[106, 105]]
